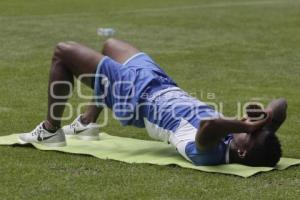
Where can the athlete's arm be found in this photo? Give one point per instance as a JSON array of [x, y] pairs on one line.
[[211, 131]]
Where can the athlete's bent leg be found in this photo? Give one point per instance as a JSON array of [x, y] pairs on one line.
[[69, 59]]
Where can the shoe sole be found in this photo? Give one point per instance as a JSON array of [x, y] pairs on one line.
[[57, 144]]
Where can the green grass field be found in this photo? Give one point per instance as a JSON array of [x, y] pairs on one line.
[[237, 50]]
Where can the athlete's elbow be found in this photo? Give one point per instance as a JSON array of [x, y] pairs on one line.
[[204, 137]]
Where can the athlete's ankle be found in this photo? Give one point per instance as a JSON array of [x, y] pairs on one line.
[[50, 127], [85, 119]]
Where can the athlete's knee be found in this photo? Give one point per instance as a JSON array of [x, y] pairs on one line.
[[63, 48], [66, 46], [109, 44], [60, 48]]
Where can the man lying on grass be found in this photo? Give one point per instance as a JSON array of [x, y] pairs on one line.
[[141, 94]]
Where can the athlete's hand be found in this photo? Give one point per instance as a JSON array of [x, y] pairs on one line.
[[253, 126]]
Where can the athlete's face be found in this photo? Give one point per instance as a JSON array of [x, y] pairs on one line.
[[243, 142]]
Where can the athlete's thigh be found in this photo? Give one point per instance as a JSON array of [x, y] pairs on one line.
[[80, 59], [119, 50]]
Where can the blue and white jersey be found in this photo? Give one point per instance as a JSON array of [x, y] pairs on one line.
[[174, 116], [141, 94]]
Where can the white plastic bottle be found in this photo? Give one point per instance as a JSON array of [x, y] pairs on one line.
[[106, 32]]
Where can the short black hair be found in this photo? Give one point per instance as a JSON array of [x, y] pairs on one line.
[[266, 154]]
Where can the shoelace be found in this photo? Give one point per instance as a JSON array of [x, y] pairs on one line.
[[37, 131], [74, 125]]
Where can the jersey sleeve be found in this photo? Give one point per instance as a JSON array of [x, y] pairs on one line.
[[219, 154], [213, 156]]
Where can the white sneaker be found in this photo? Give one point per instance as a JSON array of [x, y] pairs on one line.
[[42, 136], [84, 132]]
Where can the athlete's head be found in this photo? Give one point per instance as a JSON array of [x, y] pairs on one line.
[[261, 148]]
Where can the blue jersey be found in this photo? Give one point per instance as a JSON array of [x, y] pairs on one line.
[[140, 93]]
